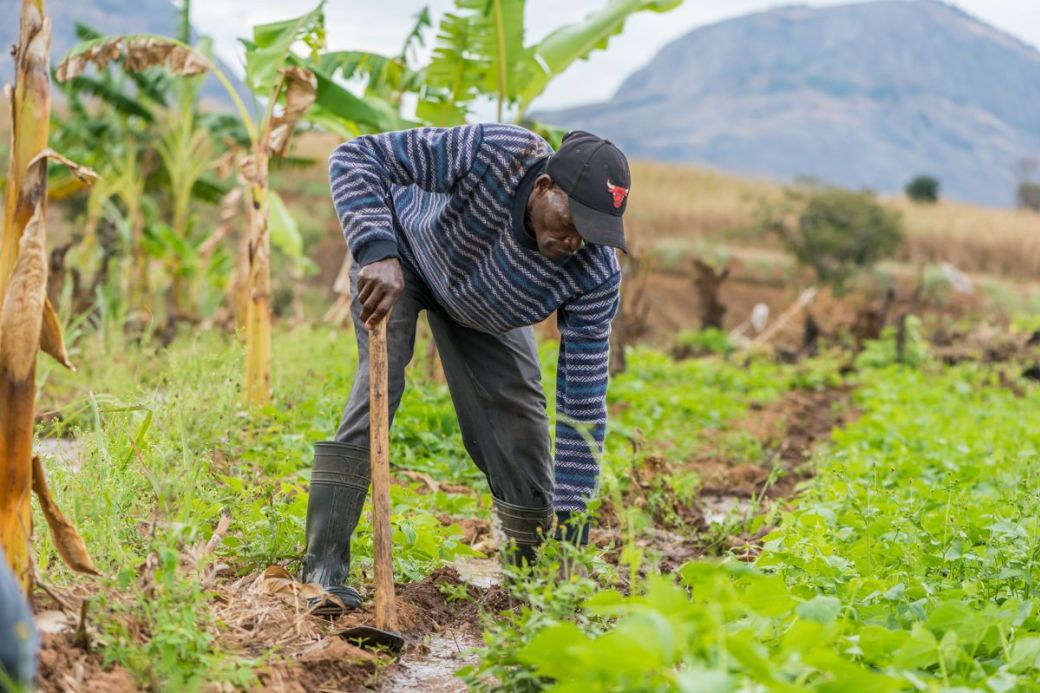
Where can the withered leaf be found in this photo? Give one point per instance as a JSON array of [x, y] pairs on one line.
[[67, 540], [84, 173], [21, 315], [52, 342], [301, 89], [140, 53]]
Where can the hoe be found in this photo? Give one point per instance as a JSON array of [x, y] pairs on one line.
[[384, 635]]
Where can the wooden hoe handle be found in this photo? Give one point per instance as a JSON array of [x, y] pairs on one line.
[[379, 441]]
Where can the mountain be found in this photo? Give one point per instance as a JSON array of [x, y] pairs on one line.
[[862, 95], [109, 17]]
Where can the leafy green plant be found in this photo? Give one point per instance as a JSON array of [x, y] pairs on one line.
[[702, 342], [835, 232], [908, 565], [884, 351]]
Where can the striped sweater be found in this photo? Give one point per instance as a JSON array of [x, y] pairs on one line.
[[451, 202]]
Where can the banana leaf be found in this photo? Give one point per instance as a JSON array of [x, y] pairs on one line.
[[500, 43], [371, 114], [454, 76], [270, 49], [109, 94], [137, 52], [557, 51]]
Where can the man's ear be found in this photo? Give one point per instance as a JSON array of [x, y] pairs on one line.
[[543, 183]]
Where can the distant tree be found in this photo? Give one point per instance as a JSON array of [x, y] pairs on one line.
[[1028, 195], [835, 232], [923, 189]]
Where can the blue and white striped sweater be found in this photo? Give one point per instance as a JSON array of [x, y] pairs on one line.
[[450, 202]]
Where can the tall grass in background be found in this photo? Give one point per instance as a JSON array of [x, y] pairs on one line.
[[672, 201]]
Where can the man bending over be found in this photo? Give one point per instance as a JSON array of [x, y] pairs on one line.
[[489, 232]]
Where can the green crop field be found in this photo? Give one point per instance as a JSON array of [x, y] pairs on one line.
[[904, 559], [820, 470]]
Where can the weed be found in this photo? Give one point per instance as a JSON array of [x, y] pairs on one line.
[[454, 592]]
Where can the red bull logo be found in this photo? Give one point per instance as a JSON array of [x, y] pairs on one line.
[[617, 192]]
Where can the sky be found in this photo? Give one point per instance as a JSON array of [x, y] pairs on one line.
[[380, 25]]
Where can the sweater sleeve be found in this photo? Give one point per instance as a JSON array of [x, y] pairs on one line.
[[362, 171], [581, 391]]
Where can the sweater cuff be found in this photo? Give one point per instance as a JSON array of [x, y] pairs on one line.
[[574, 531], [374, 251]]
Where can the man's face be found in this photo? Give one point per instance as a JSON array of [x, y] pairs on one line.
[[549, 214]]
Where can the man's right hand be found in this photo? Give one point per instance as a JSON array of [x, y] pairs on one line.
[[379, 284]]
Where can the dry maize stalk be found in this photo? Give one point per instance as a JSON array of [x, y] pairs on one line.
[[27, 320]]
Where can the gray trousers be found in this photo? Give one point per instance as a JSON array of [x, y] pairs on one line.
[[495, 384]]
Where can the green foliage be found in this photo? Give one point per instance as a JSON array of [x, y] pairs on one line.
[[567, 44], [883, 352], [703, 342], [285, 232], [480, 53], [923, 189], [270, 50], [837, 232], [909, 564]]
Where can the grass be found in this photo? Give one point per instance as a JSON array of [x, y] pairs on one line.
[[166, 450]]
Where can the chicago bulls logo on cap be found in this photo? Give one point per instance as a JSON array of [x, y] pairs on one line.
[[617, 192]]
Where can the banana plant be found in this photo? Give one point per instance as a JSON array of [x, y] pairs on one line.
[[387, 78], [28, 322], [293, 87], [480, 52]]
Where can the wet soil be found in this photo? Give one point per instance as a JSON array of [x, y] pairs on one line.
[[438, 618], [787, 429], [265, 616], [430, 668], [730, 492]]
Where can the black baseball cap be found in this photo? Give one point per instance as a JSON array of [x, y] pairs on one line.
[[594, 174]]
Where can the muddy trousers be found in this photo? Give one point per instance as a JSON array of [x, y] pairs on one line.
[[495, 385]]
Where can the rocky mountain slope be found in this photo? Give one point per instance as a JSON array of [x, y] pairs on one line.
[[862, 95]]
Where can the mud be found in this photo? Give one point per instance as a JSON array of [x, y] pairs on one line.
[[431, 667], [483, 573], [336, 666], [438, 617], [788, 431], [730, 493]]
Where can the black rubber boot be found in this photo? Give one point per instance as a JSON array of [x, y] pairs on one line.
[[339, 485], [525, 530]]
